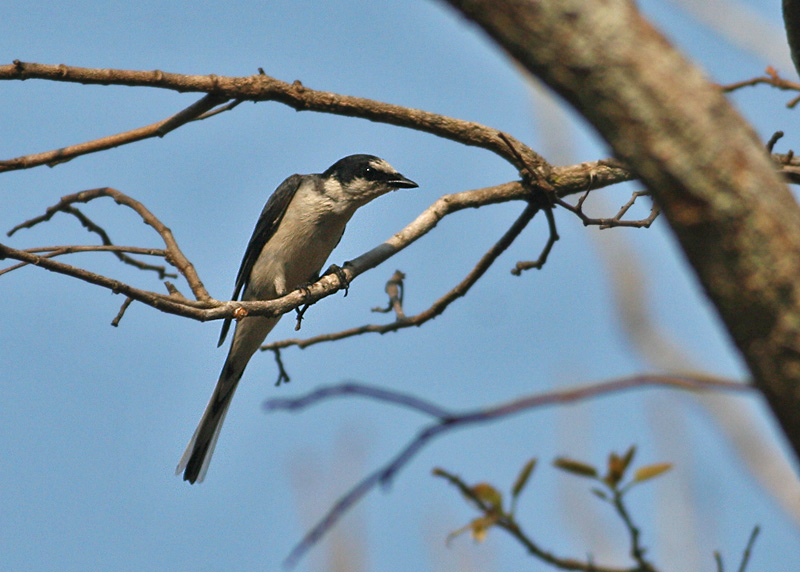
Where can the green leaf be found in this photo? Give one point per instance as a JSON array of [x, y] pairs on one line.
[[575, 467], [651, 471], [617, 466], [522, 478], [628, 457], [488, 495]]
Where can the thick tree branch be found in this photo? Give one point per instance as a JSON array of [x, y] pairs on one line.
[[736, 221], [791, 20]]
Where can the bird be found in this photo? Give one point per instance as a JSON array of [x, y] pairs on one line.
[[300, 225]]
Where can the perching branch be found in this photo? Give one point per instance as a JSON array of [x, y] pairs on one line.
[[437, 307], [446, 420], [569, 180], [462, 287]]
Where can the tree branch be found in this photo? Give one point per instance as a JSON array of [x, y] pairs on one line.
[[196, 111], [93, 227], [735, 219], [174, 254], [437, 307], [262, 87], [447, 420]]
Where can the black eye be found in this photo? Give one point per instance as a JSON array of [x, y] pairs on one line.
[[368, 173]]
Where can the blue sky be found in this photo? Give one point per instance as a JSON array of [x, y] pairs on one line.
[[93, 418]]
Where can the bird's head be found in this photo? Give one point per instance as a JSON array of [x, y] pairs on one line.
[[360, 178]]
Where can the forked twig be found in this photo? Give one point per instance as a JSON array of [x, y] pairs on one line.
[[447, 420], [174, 255]]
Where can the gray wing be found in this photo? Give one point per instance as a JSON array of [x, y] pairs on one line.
[[267, 223]]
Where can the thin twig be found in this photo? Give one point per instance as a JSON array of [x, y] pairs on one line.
[[718, 560], [125, 304], [53, 251], [93, 227], [508, 523], [637, 551], [616, 220], [749, 548], [772, 78], [196, 111], [552, 237], [174, 254], [283, 376], [446, 420], [773, 140], [191, 113]]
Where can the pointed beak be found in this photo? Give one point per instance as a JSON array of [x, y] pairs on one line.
[[400, 182]]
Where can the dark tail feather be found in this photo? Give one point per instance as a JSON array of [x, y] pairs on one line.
[[250, 332], [195, 460]]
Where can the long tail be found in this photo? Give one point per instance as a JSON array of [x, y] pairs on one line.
[[250, 333], [197, 456]]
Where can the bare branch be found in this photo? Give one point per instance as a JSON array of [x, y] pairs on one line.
[[772, 78], [196, 111], [262, 87], [283, 375], [93, 227], [548, 246], [174, 254], [441, 304], [181, 307], [616, 220], [446, 420], [53, 251], [125, 304]]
